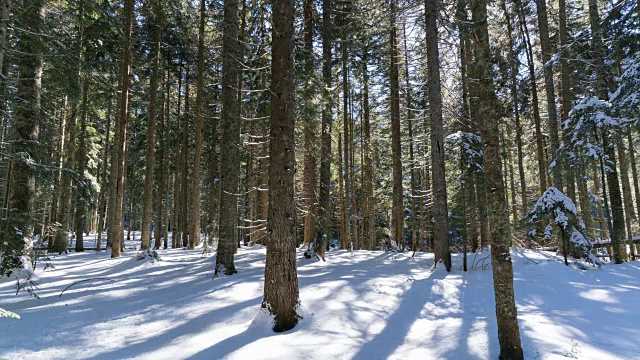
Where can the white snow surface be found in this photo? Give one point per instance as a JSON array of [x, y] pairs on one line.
[[356, 305]]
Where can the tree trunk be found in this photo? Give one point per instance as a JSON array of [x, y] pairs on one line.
[[346, 209], [397, 221], [325, 161], [617, 211], [534, 94], [82, 190], [147, 202], [160, 204], [116, 213], [513, 64], [634, 171], [102, 203], [440, 212], [370, 202], [506, 313], [545, 45], [194, 217], [229, 142], [280, 277], [18, 236], [309, 118]]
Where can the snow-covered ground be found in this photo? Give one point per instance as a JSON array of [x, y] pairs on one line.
[[359, 305]]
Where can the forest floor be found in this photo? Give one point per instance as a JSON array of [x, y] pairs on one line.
[[356, 305]]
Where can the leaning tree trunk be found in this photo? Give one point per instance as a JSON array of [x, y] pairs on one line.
[[440, 212], [229, 142], [506, 313], [280, 275], [18, 235]]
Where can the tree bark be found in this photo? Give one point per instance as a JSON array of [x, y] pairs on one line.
[[118, 177], [617, 211], [506, 313], [281, 279], [18, 235], [147, 202], [229, 142], [194, 217], [324, 213], [81, 163], [534, 94], [310, 156], [545, 45], [397, 221], [439, 187]]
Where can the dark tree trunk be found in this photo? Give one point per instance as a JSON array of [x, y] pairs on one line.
[[324, 213], [118, 167], [281, 279], [439, 187], [194, 216], [229, 142], [147, 202], [397, 216], [18, 234]]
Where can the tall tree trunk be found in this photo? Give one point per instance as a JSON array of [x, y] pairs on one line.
[[81, 163], [194, 218], [545, 45], [324, 201], [506, 313], [229, 142], [309, 118], [147, 202], [617, 211], [440, 212], [18, 235], [184, 182], [116, 213], [634, 171], [160, 204], [565, 92], [542, 173], [370, 207], [347, 137], [513, 64], [343, 217], [397, 221], [281, 294], [103, 184], [414, 228]]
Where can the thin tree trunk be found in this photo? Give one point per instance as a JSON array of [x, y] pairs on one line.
[[325, 161], [545, 45], [194, 228], [81, 163], [617, 211], [368, 164], [160, 204], [116, 214], [147, 202], [397, 221], [310, 160], [184, 182], [534, 94]]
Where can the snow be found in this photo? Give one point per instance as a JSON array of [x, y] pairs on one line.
[[357, 305]]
